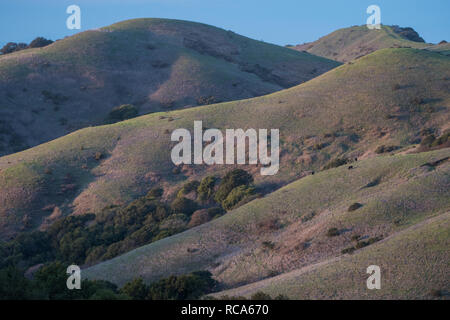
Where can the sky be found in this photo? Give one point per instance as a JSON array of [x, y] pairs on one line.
[[276, 21]]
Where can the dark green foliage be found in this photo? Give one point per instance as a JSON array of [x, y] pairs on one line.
[[55, 98], [206, 188], [183, 205], [268, 245], [237, 195], [232, 179], [362, 244], [136, 289], [190, 286], [189, 187], [354, 206], [385, 149], [260, 296], [333, 232], [336, 163], [13, 47], [206, 100], [155, 192], [349, 250], [123, 112], [49, 282], [39, 42]]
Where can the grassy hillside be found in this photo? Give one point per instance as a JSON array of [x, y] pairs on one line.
[[351, 43], [386, 98], [290, 229], [413, 263], [155, 64]]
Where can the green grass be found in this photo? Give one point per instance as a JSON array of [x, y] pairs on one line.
[[413, 265], [232, 246], [351, 102], [150, 63]]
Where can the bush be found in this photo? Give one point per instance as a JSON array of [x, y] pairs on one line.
[[123, 112], [260, 296], [39, 42], [354, 206], [336, 163], [236, 196], [385, 149], [205, 190], [333, 232], [190, 286], [232, 179], [155, 193], [183, 205], [199, 217], [135, 289], [189, 187], [13, 47]]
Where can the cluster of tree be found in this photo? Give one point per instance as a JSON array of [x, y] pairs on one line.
[[122, 112], [88, 239], [49, 283], [36, 43]]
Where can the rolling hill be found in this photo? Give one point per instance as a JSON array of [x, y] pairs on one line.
[[392, 97], [351, 43], [402, 225], [154, 64]]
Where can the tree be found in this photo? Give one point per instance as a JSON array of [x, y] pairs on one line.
[[232, 179], [13, 47], [39, 42], [183, 205], [136, 289]]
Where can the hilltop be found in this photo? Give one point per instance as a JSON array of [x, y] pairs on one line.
[[391, 98], [351, 43], [153, 64]]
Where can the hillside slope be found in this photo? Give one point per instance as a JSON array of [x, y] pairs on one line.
[[351, 43], [155, 64], [386, 98], [413, 264], [295, 220]]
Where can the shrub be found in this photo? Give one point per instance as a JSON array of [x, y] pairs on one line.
[[336, 163], [385, 149], [206, 100], [123, 112], [183, 205], [155, 192], [237, 195], [190, 286], [354, 206], [333, 232], [12, 47], [98, 156], [206, 188], [189, 187], [349, 250], [232, 179], [136, 289], [260, 296], [268, 245], [199, 217], [39, 42]]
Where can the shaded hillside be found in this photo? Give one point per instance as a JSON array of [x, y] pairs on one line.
[[312, 221], [384, 99], [154, 64], [351, 43]]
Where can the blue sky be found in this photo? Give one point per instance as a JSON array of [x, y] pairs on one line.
[[276, 21]]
